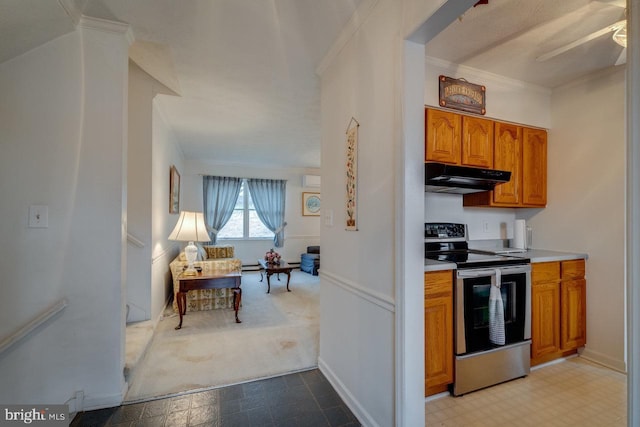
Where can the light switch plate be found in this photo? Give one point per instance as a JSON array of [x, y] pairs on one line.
[[38, 216], [328, 217]]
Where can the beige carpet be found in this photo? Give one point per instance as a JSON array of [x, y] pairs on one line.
[[279, 333]]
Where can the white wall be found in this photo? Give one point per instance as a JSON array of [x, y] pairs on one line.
[[357, 275], [441, 207], [63, 121], [300, 232], [586, 201], [166, 152], [152, 150], [507, 99], [139, 194]]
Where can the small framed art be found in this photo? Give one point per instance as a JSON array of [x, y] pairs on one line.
[[311, 204], [174, 190]]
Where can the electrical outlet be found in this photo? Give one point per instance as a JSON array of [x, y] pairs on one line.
[[38, 216]]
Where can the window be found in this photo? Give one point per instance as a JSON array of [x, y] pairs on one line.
[[244, 222]]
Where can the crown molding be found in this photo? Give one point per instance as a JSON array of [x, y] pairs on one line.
[[71, 10], [107, 26], [487, 76]]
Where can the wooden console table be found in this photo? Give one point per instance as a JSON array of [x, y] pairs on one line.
[[216, 279], [270, 269]]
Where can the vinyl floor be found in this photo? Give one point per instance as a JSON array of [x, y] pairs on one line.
[[300, 399], [574, 392]]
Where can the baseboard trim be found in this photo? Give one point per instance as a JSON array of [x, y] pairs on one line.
[[374, 297], [604, 360], [106, 401], [363, 416]]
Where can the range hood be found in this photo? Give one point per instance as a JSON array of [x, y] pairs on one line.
[[444, 178]]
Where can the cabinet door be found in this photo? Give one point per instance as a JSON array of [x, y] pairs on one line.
[[442, 137], [477, 142], [545, 311], [438, 330], [574, 324], [508, 157], [534, 167], [545, 319]]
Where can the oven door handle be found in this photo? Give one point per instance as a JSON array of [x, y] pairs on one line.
[[515, 270], [477, 273]]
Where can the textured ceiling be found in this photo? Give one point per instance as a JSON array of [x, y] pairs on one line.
[[506, 36], [245, 69]]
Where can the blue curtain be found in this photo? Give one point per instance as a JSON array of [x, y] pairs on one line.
[[268, 197], [220, 197]]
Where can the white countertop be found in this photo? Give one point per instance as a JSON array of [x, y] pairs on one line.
[[535, 255], [433, 265], [544, 255]]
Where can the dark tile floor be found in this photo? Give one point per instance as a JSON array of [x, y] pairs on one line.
[[301, 399]]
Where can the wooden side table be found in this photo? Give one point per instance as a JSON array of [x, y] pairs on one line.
[[216, 279], [270, 269]]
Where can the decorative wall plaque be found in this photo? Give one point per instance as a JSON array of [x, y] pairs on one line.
[[459, 94]]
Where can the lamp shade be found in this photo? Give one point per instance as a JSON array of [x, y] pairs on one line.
[[190, 228]]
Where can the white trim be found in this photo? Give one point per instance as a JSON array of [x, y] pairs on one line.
[[71, 10], [358, 18], [301, 237], [632, 244], [347, 397], [39, 320], [604, 360], [459, 69], [162, 254], [381, 300], [107, 26], [134, 240], [105, 401]]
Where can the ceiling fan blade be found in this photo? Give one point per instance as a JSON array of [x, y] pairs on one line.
[[622, 59], [619, 3], [583, 40]]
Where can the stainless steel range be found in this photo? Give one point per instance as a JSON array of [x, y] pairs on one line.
[[492, 309]]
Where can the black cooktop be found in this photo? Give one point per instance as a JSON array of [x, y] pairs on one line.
[[447, 242], [475, 259]]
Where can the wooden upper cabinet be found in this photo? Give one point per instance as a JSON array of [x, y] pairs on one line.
[[477, 142], [534, 167], [442, 129], [507, 157], [473, 141]]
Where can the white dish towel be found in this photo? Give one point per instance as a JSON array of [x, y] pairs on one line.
[[496, 313]]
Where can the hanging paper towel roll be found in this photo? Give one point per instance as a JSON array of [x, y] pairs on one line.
[[520, 234]]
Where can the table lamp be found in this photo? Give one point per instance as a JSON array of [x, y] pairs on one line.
[[190, 228]]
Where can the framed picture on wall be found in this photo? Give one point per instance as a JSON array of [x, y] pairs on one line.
[[174, 191], [311, 204]]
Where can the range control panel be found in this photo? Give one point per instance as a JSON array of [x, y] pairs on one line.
[[444, 230]]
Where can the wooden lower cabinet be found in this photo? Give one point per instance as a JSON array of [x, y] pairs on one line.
[[558, 309], [545, 311], [573, 332], [438, 329]]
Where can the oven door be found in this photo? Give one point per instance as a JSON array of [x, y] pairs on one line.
[[472, 306]]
